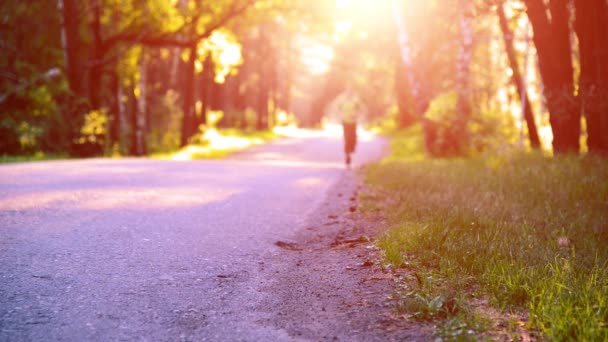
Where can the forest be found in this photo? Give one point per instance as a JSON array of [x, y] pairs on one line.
[[486, 218], [133, 77]]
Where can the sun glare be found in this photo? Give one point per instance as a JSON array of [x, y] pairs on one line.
[[226, 53], [316, 56], [363, 10]]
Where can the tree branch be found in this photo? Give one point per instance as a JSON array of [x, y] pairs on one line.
[[173, 39]]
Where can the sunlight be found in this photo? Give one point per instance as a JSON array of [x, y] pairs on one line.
[[329, 130], [363, 12], [225, 51], [343, 27], [103, 199], [316, 56], [217, 145], [310, 182]]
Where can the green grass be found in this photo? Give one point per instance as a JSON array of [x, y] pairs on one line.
[[218, 144], [528, 232], [39, 156]]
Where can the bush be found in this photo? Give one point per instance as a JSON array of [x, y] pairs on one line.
[[485, 130]]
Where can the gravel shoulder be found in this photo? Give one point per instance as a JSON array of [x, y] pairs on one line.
[[328, 284]]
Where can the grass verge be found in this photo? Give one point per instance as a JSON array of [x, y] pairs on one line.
[[527, 232], [39, 156], [215, 144]]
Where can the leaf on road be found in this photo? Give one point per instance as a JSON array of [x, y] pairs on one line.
[[291, 246]]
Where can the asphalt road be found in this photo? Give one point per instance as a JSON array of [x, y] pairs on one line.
[[138, 249]]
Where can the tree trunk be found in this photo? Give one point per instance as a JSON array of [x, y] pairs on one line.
[[133, 119], [122, 115], [463, 82], [405, 117], [592, 32], [262, 105], [552, 40], [72, 47], [517, 77], [286, 80], [140, 122], [174, 68], [188, 94], [263, 82], [205, 83], [273, 88], [70, 40], [412, 83], [114, 134], [96, 63]]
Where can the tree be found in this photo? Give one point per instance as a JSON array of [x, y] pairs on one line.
[[71, 44], [592, 32], [188, 92], [507, 34], [552, 40], [33, 94], [405, 116], [463, 82]]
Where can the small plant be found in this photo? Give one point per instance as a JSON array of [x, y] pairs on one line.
[[456, 329]]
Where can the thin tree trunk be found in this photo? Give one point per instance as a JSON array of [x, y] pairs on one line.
[[412, 82], [517, 77], [205, 82], [133, 120], [68, 14], [263, 82], [262, 105], [287, 73], [114, 134], [96, 68], [273, 88], [140, 122], [463, 82], [174, 67], [405, 50], [592, 32], [74, 69], [122, 115], [405, 117], [188, 103], [227, 102]]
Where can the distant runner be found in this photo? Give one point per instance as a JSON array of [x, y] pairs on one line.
[[350, 108]]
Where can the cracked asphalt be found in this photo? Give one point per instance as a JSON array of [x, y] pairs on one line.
[[139, 249]]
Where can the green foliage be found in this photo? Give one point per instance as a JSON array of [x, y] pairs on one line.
[[406, 144], [31, 121], [530, 231], [95, 127], [427, 300], [165, 124], [29, 114], [441, 139], [490, 130], [487, 130], [38, 156]]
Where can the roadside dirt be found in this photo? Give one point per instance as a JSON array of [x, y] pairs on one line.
[[328, 281]]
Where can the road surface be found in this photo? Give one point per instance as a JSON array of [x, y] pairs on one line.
[[139, 249]]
